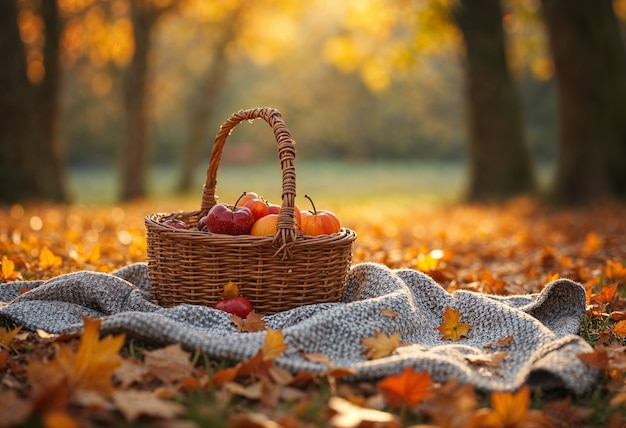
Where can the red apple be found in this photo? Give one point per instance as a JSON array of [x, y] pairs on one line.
[[175, 224], [319, 222], [202, 224], [258, 206], [229, 219], [239, 306]]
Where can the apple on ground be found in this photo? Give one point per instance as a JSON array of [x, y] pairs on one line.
[[229, 219]]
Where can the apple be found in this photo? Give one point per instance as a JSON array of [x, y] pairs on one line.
[[319, 222], [230, 219], [275, 209], [248, 196], [258, 206], [265, 225], [175, 224], [202, 224], [239, 306]]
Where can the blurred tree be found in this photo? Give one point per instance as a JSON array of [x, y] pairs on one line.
[[590, 66], [500, 159], [30, 161], [134, 147]]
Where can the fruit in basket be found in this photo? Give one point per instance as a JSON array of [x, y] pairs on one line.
[[229, 219], [175, 224], [202, 224], [248, 196], [266, 225], [258, 206], [275, 209], [319, 222], [233, 303]]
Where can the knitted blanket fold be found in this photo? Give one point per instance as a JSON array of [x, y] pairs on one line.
[[534, 336]]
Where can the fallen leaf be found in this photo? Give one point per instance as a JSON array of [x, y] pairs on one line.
[[348, 415], [225, 375], [406, 389], [129, 372], [490, 360], [505, 341], [606, 295], [380, 345], [273, 345], [510, 410], [451, 328], [47, 259], [230, 290], [8, 270], [389, 313], [253, 391], [596, 359], [7, 337], [134, 403], [620, 328], [253, 322], [452, 406], [565, 413], [169, 364]]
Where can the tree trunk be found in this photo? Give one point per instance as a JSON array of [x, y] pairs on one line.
[[30, 161], [51, 176], [133, 154], [590, 66], [500, 160], [201, 110]]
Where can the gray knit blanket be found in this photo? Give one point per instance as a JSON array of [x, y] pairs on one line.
[[514, 340]]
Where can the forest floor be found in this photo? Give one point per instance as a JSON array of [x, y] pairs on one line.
[[513, 248]]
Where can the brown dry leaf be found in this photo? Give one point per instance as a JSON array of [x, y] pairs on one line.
[[380, 345], [273, 345], [253, 322], [347, 415], [129, 372], [224, 375], [596, 359], [491, 360], [133, 404], [14, 410], [452, 406], [406, 389], [4, 356], [389, 313], [451, 328], [170, 364], [505, 341], [606, 295], [565, 413], [6, 337], [253, 391]]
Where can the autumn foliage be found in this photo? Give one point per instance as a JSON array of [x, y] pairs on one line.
[[81, 379]]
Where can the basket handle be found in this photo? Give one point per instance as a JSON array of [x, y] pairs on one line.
[[286, 230]]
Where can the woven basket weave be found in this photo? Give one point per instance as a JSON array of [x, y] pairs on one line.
[[275, 273]]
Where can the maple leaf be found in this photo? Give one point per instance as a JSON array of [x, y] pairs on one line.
[[134, 403], [273, 345], [8, 270], [253, 322], [452, 406], [230, 290], [91, 367], [380, 345], [620, 329], [492, 360], [406, 389], [169, 364], [7, 337], [47, 259], [606, 295], [615, 270], [451, 328], [596, 359], [510, 410]]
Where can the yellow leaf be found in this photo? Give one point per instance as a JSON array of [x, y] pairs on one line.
[[48, 260], [509, 410], [274, 345], [8, 270], [451, 328], [230, 290], [620, 328], [380, 345]]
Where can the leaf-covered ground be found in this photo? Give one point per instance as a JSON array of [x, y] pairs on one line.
[[87, 380]]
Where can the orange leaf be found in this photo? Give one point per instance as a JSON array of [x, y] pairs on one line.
[[253, 322], [8, 270], [595, 359], [48, 260], [274, 345], [224, 375], [451, 328], [620, 328], [505, 341], [230, 290], [406, 389], [509, 410], [615, 270], [606, 294], [380, 345], [389, 313]]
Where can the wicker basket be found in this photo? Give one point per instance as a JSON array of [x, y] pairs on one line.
[[275, 273]]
